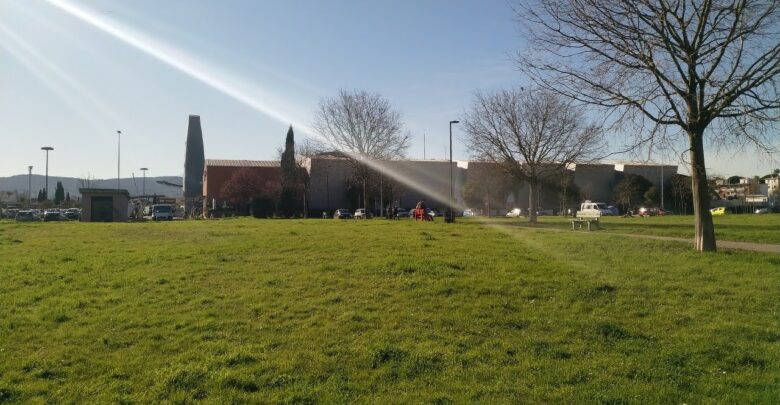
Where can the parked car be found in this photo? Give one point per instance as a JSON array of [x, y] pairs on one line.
[[543, 212], [718, 211], [50, 216], [162, 212], [468, 212], [613, 210], [514, 213], [73, 213], [401, 213], [763, 211], [10, 213], [342, 213], [651, 212], [361, 213], [25, 216]]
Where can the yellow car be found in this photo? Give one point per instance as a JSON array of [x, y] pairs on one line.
[[718, 211]]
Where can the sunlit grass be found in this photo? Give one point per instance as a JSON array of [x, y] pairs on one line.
[[745, 227], [376, 311]]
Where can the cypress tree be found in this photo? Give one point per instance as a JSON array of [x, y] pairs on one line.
[[59, 194], [287, 200]]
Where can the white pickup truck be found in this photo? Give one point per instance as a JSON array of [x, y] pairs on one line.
[[589, 214], [589, 206]]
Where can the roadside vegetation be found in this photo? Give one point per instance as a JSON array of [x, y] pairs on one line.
[[324, 311]]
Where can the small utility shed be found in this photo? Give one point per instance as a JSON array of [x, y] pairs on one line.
[[104, 205]]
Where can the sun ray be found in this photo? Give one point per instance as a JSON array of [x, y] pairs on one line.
[[217, 79], [47, 73]]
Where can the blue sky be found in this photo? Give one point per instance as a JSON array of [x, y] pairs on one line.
[[68, 84]]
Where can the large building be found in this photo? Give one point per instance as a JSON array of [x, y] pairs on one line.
[[218, 172], [333, 183]]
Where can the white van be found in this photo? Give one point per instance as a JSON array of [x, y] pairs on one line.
[[162, 212], [591, 207]]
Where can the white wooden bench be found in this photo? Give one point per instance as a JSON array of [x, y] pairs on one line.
[[589, 218]]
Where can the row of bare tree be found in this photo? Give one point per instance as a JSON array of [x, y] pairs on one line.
[[669, 73]]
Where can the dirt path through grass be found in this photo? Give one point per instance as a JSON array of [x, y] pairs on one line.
[[724, 244]]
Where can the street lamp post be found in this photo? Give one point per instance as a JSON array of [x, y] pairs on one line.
[[143, 187], [452, 182], [118, 156], [47, 149], [29, 185]]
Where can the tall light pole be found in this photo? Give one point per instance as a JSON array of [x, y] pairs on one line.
[[47, 149], [143, 187], [452, 181], [29, 185], [118, 156]]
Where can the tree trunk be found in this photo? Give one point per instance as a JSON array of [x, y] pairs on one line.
[[532, 190], [488, 200], [365, 202], [305, 202], [705, 229]]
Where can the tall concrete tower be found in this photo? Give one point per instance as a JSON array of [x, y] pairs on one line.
[[194, 160]]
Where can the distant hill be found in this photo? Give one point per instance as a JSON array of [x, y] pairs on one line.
[[72, 185]]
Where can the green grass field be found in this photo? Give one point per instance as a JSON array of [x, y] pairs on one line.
[[743, 228], [326, 311]]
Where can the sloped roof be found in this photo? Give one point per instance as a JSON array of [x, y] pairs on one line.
[[243, 163]]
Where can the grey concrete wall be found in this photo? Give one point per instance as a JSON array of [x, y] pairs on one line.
[[416, 180], [651, 172], [595, 181], [429, 181], [328, 182], [120, 206]]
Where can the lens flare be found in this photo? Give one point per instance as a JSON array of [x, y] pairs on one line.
[[174, 58], [54, 78], [218, 80]]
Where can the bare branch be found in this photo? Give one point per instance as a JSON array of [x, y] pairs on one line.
[[701, 67], [533, 135]]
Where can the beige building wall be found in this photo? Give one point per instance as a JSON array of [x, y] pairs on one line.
[[415, 180]]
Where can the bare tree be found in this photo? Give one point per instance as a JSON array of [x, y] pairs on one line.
[[85, 182], [671, 67], [364, 126], [533, 134], [487, 186], [244, 186]]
